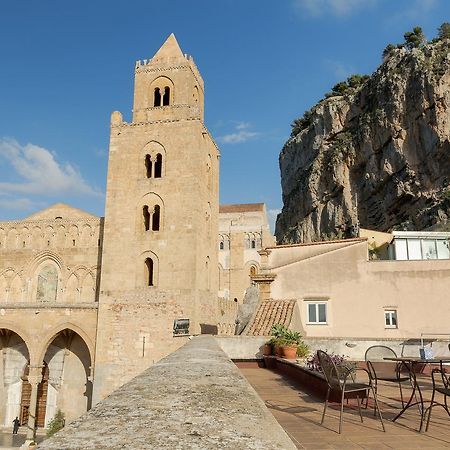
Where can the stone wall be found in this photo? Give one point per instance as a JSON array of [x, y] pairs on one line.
[[201, 402]]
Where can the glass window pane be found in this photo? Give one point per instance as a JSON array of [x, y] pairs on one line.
[[387, 319], [322, 312], [394, 318], [429, 249], [414, 250], [312, 312], [400, 249], [442, 249]]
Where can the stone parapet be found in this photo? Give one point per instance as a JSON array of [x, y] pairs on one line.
[[195, 398]]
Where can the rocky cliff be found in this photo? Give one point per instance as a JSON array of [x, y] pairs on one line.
[[377, 156]]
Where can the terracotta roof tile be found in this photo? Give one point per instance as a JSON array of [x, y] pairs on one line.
[[268, 314]]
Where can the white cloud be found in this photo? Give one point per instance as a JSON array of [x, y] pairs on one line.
[[338, 8], [40, 172], [415, 11], [272, 217], [341, 70], [19, 204], [240, 134]]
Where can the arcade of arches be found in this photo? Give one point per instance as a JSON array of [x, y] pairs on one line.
[[61, 380]]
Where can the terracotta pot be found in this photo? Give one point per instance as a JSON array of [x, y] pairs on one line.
[[267, 350], [278, 351], [289, 352]]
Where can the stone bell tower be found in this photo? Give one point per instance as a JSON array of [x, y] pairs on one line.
[[159, 259]]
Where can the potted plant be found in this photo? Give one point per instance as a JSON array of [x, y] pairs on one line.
[[303, 352], [289, 344], [277, 332]]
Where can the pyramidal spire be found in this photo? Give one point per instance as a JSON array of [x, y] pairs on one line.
[[170, 48]]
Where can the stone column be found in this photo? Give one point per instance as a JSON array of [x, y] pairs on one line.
[[34, 378]]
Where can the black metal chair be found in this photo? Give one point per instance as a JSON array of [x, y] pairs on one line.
[[341, 379], [382, 370], [443, 388]]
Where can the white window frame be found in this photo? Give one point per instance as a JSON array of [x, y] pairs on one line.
[[316, 303], [389, 313]]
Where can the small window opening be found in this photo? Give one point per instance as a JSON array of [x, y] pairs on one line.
[[23, 244], [252, 271], [146, 214], [158, 166], [156, 218], [149, 265], [157, 100], [148, 166], [48, 243], [166, 96], [253, 243], [221, 246], [73, 242]]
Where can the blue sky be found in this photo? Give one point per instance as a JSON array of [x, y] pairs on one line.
[[65, 65]]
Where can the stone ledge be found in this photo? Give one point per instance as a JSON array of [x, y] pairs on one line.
[[193, 399]]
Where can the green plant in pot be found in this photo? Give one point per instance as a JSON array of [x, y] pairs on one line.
[[277, 338], [303, 352], [291, 341]]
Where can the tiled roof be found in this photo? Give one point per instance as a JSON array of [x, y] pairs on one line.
[[241, 207], [268, 314]]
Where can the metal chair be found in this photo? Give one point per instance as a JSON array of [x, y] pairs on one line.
[[342, 380], [443, 388], [380, 369]]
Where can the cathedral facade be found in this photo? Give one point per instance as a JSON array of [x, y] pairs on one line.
[[87, 303]]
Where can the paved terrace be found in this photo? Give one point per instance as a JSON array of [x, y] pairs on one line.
[[196, 398], [299, 413]]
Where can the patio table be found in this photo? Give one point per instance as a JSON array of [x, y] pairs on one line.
[[409, 362]]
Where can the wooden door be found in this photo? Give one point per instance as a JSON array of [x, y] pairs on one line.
[[41, 398]]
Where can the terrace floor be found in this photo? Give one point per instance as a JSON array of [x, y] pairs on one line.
[[299, 413]]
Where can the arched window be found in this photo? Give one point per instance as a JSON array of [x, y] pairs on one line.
[[253, 271], [149, 266], [158, 166], [146, 214], [253, 243], [148, 166], [221, 245], [157, 97], [156, 218], [166, 96], [47, 284]]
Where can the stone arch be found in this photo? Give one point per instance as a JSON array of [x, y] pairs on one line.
[[15, 357], [49, 236], [46, 280], [72, 290], [73, 236], [147, 210], [11, 238], [68, 356], [24, 237], [86, 235], [16, 289], [88, 289], [149, 157], [50, 336], [36, 237], [142, 271], [160, 85], [60, 236], [252, 268]]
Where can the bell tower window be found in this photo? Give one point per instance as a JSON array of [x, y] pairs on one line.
[[149, 266], [148, 166], [158, 166], [146, 214], [157, 97], [166, 96], [156, 218]]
